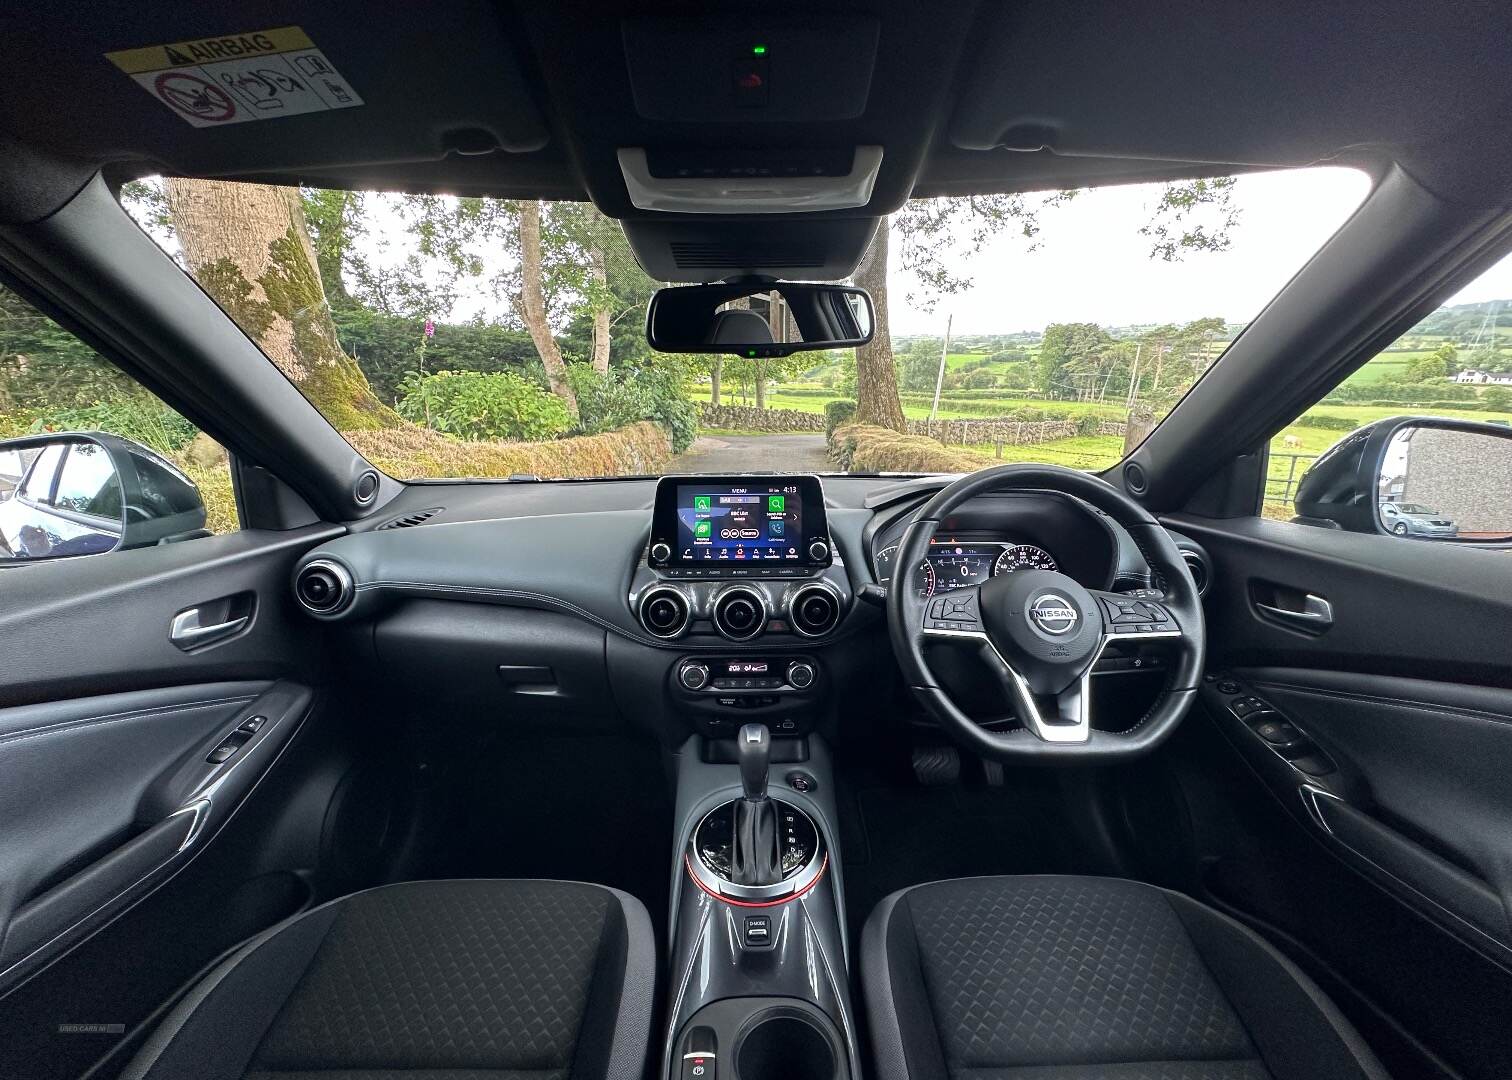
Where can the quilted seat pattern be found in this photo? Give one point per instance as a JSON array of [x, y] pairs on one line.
[[456, 976], [1067, 971]]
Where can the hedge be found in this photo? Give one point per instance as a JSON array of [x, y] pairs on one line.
[[1326, 422], [642, 448], [838, 412], [864, 448]]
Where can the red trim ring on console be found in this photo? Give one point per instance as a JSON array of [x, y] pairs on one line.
[[688, 866]]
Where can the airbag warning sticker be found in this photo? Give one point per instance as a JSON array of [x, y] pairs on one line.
[[239, 77]]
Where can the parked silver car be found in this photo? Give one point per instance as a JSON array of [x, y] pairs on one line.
[[1415, 519]]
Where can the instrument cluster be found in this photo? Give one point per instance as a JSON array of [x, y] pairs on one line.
[[957, 563]]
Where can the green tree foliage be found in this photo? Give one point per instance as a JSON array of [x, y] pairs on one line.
[[52, 381], [387, 347], [474, 405], [1436, 365], [622, 396], [1192, 215], [920, 364], [1064, 350]]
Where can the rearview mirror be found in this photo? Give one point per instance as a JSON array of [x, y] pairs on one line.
[[78, 494], [758, 320], [1417, 478]]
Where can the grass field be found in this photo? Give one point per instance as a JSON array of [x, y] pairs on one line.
[[1097, 452], [776, 398]]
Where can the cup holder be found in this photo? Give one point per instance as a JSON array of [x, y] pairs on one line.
[[783, 1045]]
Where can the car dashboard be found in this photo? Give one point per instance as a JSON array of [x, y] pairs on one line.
[[566, 603]]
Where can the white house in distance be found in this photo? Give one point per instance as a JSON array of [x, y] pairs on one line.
[[1491, 378]]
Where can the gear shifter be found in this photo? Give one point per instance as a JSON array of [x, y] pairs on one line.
[[755, 856], [753, 749]]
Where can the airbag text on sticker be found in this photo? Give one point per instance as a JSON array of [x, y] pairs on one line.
[[235, 78]]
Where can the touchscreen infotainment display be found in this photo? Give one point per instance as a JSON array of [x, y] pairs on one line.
[[746, 521], [723, 520]]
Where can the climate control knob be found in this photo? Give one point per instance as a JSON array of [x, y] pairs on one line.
[[693, 675], [801, 674], [661, 551], [818, 551]]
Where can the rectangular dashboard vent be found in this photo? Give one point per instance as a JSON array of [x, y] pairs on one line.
[[409, 521]]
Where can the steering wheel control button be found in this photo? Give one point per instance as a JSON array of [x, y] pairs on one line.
[[955, 611]]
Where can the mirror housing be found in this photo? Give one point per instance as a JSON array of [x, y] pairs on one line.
[[1415, 477], [122, 496], [696, 318]]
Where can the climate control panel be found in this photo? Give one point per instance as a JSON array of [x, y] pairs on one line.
[[723, 692]]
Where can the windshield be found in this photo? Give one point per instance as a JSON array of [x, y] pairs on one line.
[[448, 337]]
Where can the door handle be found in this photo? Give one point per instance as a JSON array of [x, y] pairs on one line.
[[1315, 613], [187, 632]]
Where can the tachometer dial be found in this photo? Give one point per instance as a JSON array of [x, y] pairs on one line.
[[1023, 557]]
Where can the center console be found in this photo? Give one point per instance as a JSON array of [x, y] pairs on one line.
[[759, 955], [742, 579], [741, 573]]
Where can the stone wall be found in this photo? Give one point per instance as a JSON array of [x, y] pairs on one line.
[[748, 418], [989, 430]]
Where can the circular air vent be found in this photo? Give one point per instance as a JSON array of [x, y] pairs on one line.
[[739, 612], [1201, 576], [814, 609], [664, 611], [324, 588]]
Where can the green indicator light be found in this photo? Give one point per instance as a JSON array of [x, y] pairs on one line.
[[751, 352], [758, 50]]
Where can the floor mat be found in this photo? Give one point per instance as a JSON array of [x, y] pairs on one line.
[[894, 837], [582, 809]]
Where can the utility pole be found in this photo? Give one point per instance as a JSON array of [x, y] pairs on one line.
[[940, 375], [1134, 376]]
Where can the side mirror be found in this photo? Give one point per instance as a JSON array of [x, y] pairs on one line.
[[86, 494], [781, 318], [1415, 477]]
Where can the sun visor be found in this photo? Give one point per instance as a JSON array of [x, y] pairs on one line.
[[1243, 84], [206, 90]]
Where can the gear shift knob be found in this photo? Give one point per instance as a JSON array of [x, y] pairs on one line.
[[753, 749]]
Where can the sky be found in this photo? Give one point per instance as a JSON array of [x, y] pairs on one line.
[[1091, 264]]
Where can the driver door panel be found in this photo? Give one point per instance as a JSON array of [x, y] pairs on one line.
[[1405, 689]]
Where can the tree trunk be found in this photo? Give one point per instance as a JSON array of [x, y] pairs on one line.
[[599, 272], [247, 246], [876, 373], [532, 305], [715, 371]]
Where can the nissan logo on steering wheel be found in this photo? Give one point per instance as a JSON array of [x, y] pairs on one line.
[[1053, 614]]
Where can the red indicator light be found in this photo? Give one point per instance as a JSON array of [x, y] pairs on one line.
[[750, 81]]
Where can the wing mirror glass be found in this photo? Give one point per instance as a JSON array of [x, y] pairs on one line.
[[86, 494], [1417, 478], [759, 319]]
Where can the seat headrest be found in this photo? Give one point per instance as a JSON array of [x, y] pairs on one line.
[[739, 326]]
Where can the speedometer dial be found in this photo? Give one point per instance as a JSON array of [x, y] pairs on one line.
[[1023, 557]]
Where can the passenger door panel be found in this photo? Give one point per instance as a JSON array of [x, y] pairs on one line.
[[110, 779]]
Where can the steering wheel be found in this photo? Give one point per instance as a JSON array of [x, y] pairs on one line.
[[1039, 632]]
